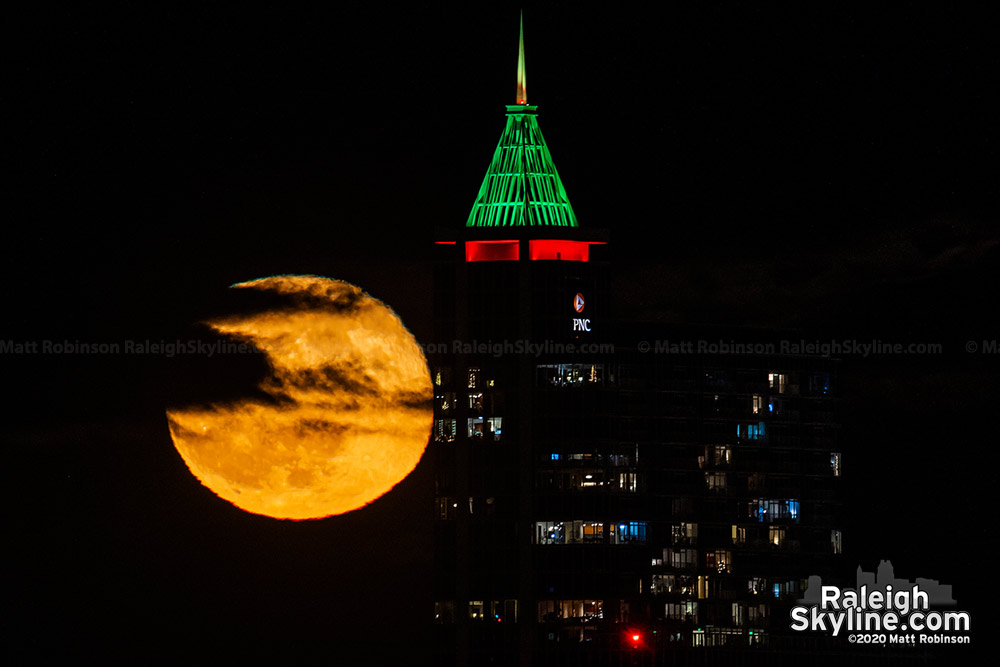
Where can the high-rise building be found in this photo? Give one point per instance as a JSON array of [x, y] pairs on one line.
[[608, 490]]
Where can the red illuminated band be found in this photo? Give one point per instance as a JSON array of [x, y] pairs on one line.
[[538, 249], [570, 251], [491, 251]]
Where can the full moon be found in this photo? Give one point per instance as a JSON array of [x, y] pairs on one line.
[[350, 409]]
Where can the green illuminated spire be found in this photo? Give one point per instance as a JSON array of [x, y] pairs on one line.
[[522, 187], [522, 80]]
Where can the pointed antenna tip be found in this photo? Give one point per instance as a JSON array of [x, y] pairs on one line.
[[522, 86]]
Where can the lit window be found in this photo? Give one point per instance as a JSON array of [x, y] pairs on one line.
[[716, 481], [444, 508], [757, 404], [766, 510], [686, 559], [738, 614], [750, 431], [476, 402], [442, 377], [628, 532], [722, 454], [624, 459], [476, 428], [777, 382], [586, 611], [684, 534], [444, 403], [550, 532], [445, 430], [672, 583], [720, 560], [628, 481], [569, 375], [590, 531], [588, 478], [739, 535], [702, 587], [569, 532], [476, 611], [494, 427], [776, 536], [836, 541], [835, 463], [785, 588], [684, 611], [474, 378]]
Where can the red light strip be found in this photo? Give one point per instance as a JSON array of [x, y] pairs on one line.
[[571, 251], [491, 251]]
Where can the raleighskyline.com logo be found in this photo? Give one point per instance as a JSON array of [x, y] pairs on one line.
[[882, 610]]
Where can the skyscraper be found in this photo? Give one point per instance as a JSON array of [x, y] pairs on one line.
[[606, 489]]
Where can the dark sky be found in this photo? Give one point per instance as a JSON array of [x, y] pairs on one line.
[[830, 170]]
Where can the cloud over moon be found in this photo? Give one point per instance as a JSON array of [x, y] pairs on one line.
[[350, 409]]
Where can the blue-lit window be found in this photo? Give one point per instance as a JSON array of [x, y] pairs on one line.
[[550, 532], [764, 509], [555, 457], [750, 431], [777, 590], [629, 532]]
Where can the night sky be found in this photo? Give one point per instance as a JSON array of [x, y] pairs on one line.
[[833, 172]]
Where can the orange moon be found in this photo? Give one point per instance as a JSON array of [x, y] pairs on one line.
[[351, 410]]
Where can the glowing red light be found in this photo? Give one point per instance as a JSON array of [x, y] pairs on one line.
[[571, 251], [491, 251], [635, 638]]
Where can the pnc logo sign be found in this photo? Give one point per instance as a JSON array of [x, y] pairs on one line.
[[579, 323]]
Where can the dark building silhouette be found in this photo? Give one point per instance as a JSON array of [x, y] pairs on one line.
[[609, 491]]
